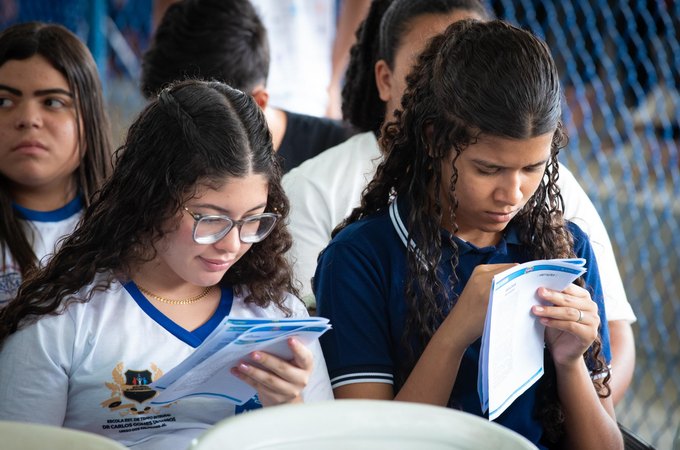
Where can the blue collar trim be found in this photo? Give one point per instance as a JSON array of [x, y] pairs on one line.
[[63, 213], [193, 338]]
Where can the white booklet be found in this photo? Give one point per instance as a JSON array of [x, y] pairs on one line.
[[206, 372], [511, 355]]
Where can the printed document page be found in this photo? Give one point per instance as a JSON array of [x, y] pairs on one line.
[[511, 357], [206, 372]]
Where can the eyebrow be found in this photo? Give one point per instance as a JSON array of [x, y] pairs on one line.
[[42, 92], [39, 93], [227, 212], [11, 90], [490, 165]]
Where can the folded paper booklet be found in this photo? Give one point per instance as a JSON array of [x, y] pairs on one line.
[[206, 372], [511, 355]]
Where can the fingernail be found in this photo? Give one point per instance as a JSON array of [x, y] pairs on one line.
[[538, 308], [294, 341], [244, 367], [256, 356]]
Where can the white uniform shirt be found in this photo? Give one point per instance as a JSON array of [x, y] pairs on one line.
[[88, 369], [323, 191], [44, 229]]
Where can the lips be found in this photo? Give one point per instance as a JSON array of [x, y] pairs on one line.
[[29, 145], [217, 264], [501, 216]]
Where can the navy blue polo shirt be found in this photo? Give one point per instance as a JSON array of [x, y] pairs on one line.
[[360, 283]]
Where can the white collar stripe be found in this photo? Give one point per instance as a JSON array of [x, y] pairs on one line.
[[400, 228]]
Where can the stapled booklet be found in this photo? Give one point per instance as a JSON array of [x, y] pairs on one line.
[[206, 372], [511, 355]]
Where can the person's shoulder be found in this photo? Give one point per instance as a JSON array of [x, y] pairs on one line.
[[367, 232], [308, 136], [101, 297], [86, 306], [356, 154], [575, 230], [581, 239], [321, 127]]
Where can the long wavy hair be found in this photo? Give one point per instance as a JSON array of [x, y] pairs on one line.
[[194, 134], [475, 79], [68, 55], [379, 37]]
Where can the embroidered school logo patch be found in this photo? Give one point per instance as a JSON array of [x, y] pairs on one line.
[[136, 385], [132, 385]]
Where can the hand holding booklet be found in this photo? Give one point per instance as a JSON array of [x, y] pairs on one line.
[[206, 372], [511, 355]]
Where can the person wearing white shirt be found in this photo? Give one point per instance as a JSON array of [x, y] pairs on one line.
[[190, 228], [325, 189]]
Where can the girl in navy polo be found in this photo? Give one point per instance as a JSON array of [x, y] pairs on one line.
[[467, 190]]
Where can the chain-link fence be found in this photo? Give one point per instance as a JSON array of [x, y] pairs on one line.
[[620, 62]]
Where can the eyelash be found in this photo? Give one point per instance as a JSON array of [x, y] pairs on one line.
[[60, 102], [490, 172], [49, 102], [535, 168]]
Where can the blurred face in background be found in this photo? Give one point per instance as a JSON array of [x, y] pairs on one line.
[[39, 148], [391, 82]]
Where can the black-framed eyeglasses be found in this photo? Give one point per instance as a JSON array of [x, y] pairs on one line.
[[210, 228]]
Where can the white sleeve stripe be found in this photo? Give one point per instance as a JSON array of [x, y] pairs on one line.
[[361, 380], [362, 374]]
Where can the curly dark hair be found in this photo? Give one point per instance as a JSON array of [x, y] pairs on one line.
[[70, 57], [475, 79], [194, 134], [378, 37], [222, 40]]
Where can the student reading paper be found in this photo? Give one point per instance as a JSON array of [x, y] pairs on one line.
[[467, 189], [190, 228]]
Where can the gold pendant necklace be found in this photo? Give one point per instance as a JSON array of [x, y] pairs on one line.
[[184, 301]]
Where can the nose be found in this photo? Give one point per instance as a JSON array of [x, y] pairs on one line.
[[510, 191], [231, 243], [28, 115]]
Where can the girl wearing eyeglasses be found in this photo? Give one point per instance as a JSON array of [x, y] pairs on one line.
[[189, 229]]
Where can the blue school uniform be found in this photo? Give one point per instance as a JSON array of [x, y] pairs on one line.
[[44, 230], [359, 285]]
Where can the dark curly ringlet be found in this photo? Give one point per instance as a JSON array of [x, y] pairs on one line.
[[194, 134], [68, 55], [378, 37], [478, 78]]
